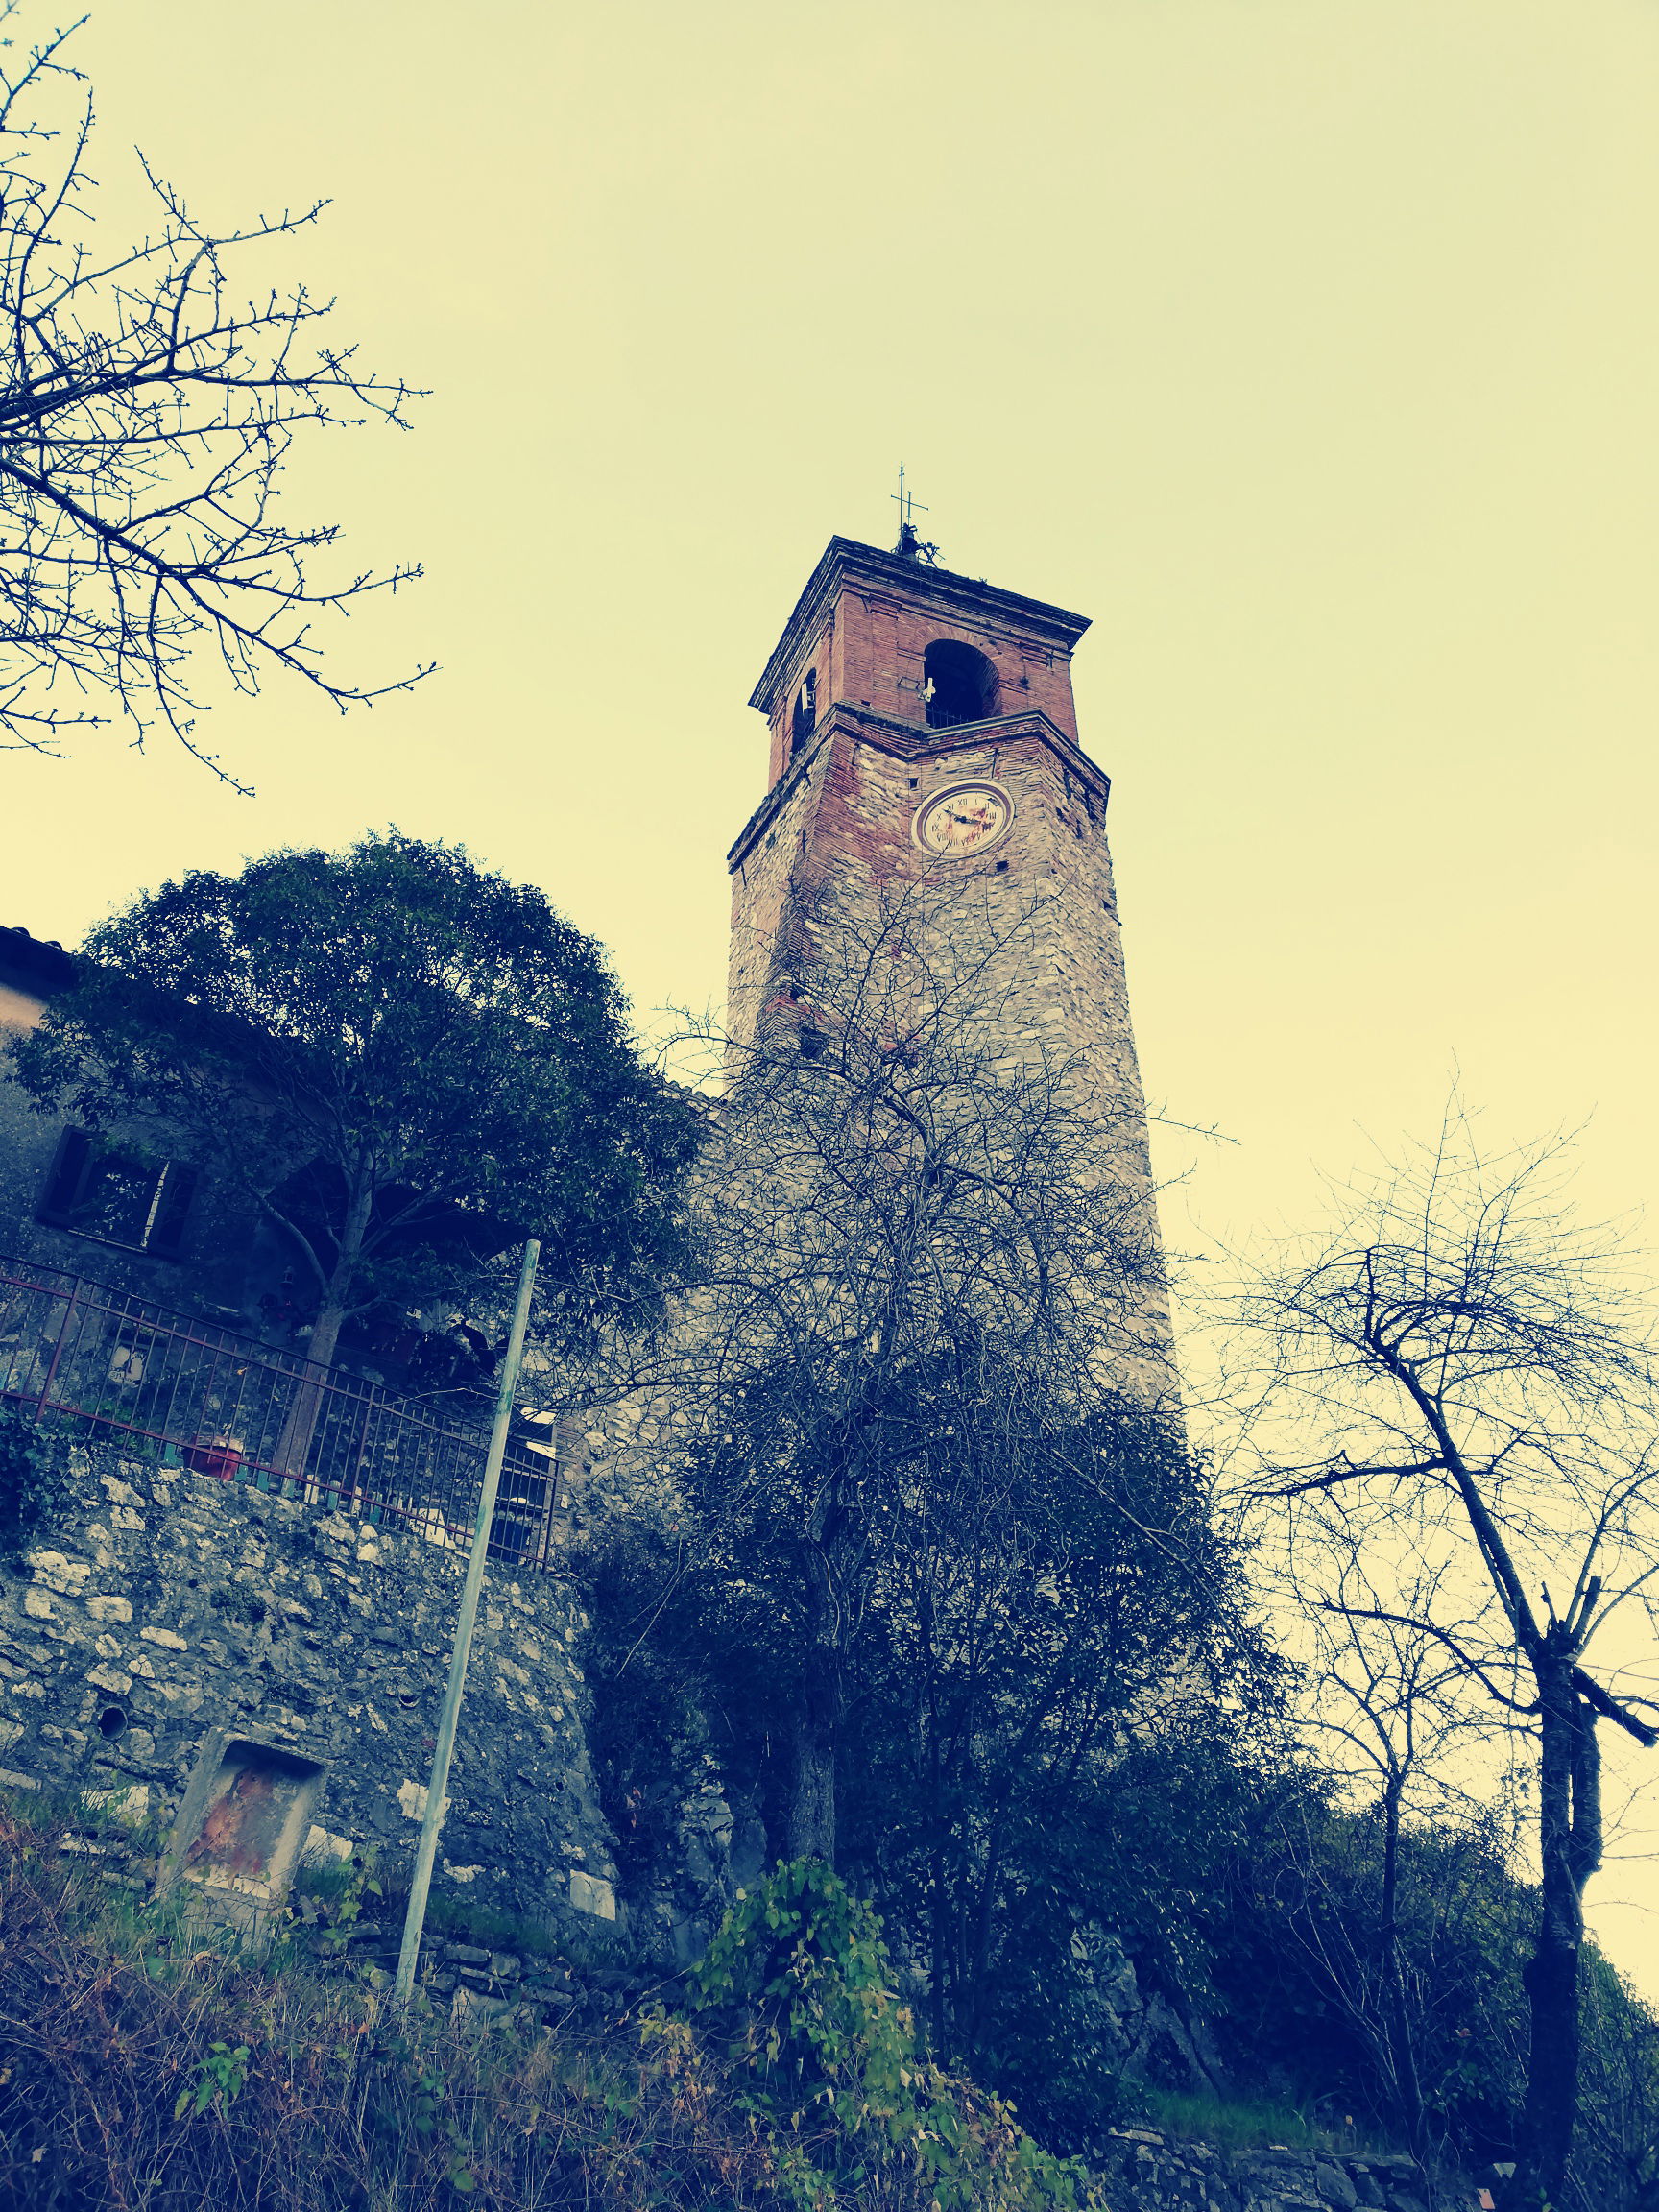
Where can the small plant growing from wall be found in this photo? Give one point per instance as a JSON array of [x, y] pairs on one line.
[[33, 1478]]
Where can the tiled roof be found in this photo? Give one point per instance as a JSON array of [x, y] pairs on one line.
[[43, 960]]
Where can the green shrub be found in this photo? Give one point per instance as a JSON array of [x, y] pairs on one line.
[[795, 1996], [33, 1476], [154, 2060]]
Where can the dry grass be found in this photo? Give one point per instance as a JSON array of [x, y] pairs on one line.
[[313, 2095]]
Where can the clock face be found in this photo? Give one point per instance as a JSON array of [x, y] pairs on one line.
[[963, 820]]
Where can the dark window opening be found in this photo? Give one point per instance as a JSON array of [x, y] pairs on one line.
[[112, 1722], [806, 719], [958, 684], [812, 1044], [523, 1504], [118, 1196], [1001, 867]]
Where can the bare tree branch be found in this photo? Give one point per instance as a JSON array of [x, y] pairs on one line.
[[1459, 1311], [147, 417]]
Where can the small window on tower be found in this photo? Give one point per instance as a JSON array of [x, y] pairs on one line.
[[812, 1044], [806, 711], [119, 1197], [958, 683]]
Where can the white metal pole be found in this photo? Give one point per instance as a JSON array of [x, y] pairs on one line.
[[426, 1850]]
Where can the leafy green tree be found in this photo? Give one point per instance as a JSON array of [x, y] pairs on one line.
[[403, 1061]]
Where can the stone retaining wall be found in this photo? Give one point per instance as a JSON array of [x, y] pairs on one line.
[[167, 1624], [1147, 2171]]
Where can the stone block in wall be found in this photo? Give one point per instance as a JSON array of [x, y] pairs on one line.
[[592, 1894]]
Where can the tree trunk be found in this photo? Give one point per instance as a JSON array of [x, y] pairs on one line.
[[294, 1448], [325, 1336], [976, 1967], [936, 1919], [1566, 1842], [834, 1538], [1402, 2047], [817, 1734]]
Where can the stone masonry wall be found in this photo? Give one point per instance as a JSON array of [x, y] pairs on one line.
[[1148, 2172], [163, 1613]]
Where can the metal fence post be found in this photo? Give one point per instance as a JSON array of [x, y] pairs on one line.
[[426, 1850], [58, 1348]]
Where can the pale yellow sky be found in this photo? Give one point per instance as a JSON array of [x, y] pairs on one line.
[[1309, 345]]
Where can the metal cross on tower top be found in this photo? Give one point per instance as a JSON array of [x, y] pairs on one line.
[[909, 545], [906, 500]]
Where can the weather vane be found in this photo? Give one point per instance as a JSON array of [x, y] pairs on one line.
[[911, 545]]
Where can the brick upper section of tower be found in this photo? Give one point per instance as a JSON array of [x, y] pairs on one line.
[[862, 628]]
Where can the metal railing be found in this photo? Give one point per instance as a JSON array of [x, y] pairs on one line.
[[195, 1395]]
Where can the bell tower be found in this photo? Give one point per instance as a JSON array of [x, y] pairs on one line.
[[894, 686], [923, 732], [921, 724]]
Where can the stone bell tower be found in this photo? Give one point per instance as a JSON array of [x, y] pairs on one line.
[[923, 732], [923, 729]]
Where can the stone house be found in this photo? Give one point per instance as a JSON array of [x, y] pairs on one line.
[[136, 1214], [254, 1661]]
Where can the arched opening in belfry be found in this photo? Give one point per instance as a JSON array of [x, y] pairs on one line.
[[805, 716], [958, 683]]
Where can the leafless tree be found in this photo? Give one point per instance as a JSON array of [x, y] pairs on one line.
[[907, 1216], [914, 1512], [147, 413], [1383, 1712], [1476, 1368]]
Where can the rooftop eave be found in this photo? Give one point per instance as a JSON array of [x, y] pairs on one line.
[[36, 961]]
